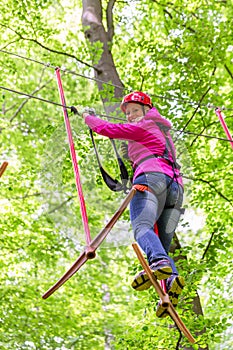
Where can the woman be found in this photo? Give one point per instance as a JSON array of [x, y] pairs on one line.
[[152, 152]]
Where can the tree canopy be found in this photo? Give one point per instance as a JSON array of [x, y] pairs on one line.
[[181, 53]]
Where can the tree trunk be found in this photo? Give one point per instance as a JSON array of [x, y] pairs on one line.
[[105, 70]]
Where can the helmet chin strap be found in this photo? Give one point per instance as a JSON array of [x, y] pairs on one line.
[[143, 110]]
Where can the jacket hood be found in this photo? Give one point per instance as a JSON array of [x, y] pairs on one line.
[[153, 114]]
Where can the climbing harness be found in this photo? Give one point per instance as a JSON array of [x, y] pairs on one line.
[[165, 156]]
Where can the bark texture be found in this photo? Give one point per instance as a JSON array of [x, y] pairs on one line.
[[105, 70]]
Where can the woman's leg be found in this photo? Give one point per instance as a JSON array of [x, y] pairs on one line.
[[143, 213], [145, 209], [169, 219], [167, 224]]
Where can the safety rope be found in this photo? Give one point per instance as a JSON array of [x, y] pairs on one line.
[[225, 128], [74, 159]]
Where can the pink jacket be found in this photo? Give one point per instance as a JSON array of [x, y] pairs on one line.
[[145, 138]]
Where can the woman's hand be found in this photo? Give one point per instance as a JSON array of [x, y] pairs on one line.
[[84, 115], [88, 111]]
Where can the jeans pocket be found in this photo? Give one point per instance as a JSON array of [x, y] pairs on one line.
[[173, 217], [175, 196]]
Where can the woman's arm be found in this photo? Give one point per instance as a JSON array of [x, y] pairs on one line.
[[115, 131]]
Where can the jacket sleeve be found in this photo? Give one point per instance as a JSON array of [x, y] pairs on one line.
[[114, 131]]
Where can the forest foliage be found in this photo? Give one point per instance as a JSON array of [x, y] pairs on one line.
[[181, 53]]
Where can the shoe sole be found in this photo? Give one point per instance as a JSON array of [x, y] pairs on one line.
[[163, 273], [176, 289], [142, 282], [161, 312], [174, 292]]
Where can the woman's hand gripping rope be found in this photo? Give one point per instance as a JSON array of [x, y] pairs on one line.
[[88, 111]]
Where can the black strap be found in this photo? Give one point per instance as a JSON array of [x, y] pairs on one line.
[[113, 184], [165, 154], [149, 157], [175, 165], [169, 147], [123, 171]]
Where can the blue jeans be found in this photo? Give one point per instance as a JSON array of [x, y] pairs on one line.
[[161, 206]]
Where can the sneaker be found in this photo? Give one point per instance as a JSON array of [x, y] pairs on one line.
[[161, 311], [175, 285], [161, 269]]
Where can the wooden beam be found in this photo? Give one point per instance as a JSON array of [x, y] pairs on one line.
[[89, 252], [3, 168]]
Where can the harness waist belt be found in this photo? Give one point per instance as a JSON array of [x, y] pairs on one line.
[[149, 157]]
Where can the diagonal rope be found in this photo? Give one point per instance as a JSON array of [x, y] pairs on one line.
[[32, 96]]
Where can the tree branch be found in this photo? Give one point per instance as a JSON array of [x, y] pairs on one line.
[[26, 100], [49, 49], [201, 132], [109, 16], [36, 194], [165, 11], [60, 205], [179, 340], [105, 67], [208, 245], [195, 111], [210, 183], [8, 44], [228, 71]]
